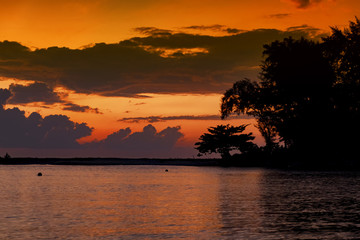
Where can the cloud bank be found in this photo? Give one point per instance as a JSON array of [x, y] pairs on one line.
[[34, 131], [60, 133], [147, 143], [160, 62]]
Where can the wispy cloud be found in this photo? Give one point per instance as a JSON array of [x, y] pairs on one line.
[[312, 31], [215, 27], [304, 3], [153, 31], [152, 119], [280, 15], [78, 108], [303, 27]]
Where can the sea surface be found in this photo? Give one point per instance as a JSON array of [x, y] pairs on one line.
[[146, 202]]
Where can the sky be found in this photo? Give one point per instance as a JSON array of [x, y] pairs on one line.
[[140, 78]]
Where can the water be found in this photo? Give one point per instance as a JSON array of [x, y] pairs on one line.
[[145, 202]]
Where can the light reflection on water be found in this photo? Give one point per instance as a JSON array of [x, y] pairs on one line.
[[145, 202]]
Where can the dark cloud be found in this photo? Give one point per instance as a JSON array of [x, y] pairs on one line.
[[280, 15], [161, 62], [312, 31], [147, 143], [305, 3], [215, 27], [140, 103], [302, 28], [5, 94], [233, 30], [41, 93], [152, 119], [78, 108], [13, 50], [36, 92], [34, 131], [153, 31]]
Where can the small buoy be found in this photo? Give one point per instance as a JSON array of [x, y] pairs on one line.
[[166, 170], [39, 174]]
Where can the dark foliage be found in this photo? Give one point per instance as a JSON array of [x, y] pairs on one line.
[[223, 139], [308, 98]]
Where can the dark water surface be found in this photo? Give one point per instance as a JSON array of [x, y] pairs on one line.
[[145, 202]]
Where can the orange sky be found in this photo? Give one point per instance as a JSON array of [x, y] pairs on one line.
[[172, 89], [75, 23]]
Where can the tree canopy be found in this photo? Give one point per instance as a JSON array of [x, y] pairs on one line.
[[223, 139]]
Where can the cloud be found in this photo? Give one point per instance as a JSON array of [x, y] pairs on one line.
[[312, 31], [305, 3], [152, 119], [157, 32], [34, 131], [153, 31], [302, 28], [140, 65], [215, 27], [5, 94], [13, 50], [233, 30], [280, 15], [42, 93], [140, 103], [58, 132], [78, 108], [36, 92], [147, 143]]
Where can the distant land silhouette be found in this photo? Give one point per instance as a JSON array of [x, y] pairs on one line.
[[251, 160], [111, 161]]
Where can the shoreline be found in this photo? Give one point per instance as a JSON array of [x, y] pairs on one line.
[[110, 161], [210, 162]]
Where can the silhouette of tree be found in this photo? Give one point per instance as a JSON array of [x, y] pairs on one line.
[[297, 80], [291, 100], [308, 96], [224, 138], [247, 97], [342, 50]]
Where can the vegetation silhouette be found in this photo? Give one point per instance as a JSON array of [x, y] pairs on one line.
[[223, 139], [306, 102]]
